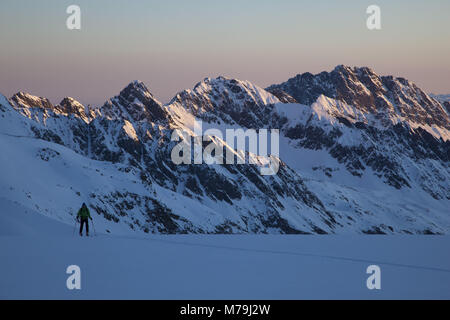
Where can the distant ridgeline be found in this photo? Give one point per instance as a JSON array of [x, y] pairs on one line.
[[358, 153]]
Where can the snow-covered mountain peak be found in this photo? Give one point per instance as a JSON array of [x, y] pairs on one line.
[[352, 160], [237, 90], [354, 70], [389, 99], [40, 108], [222, 88], [136, 88], [27, 100], [69, 105], [136, 103], [342, 68], [226, 100]]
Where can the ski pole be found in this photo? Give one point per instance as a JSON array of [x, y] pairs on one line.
[[95, 231], [75, 227]]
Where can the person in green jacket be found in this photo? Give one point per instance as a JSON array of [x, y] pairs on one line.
[[82, 217]]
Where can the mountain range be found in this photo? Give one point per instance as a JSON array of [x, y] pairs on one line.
[[359, 153]]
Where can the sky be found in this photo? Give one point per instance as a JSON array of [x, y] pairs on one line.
[[170, 45]]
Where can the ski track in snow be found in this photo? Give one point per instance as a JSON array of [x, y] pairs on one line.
[[36, 250]]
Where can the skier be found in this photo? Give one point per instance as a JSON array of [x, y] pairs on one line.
[[82, 217]]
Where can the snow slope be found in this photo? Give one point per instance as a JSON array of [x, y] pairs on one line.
[[35, 252]]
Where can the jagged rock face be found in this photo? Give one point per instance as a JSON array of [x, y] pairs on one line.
[[131, 133], [386, 97], [282, 96], [134, 130], [25, 100], [383, 137], [229, 101], [386, 152], [378, 122], [71, 106], [42, 109], [224, 185], [136, 103], [377, 142]]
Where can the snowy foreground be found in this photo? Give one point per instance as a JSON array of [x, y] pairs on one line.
[[35, 252]]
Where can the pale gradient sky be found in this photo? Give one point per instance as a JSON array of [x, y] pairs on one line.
[[171, 45]]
